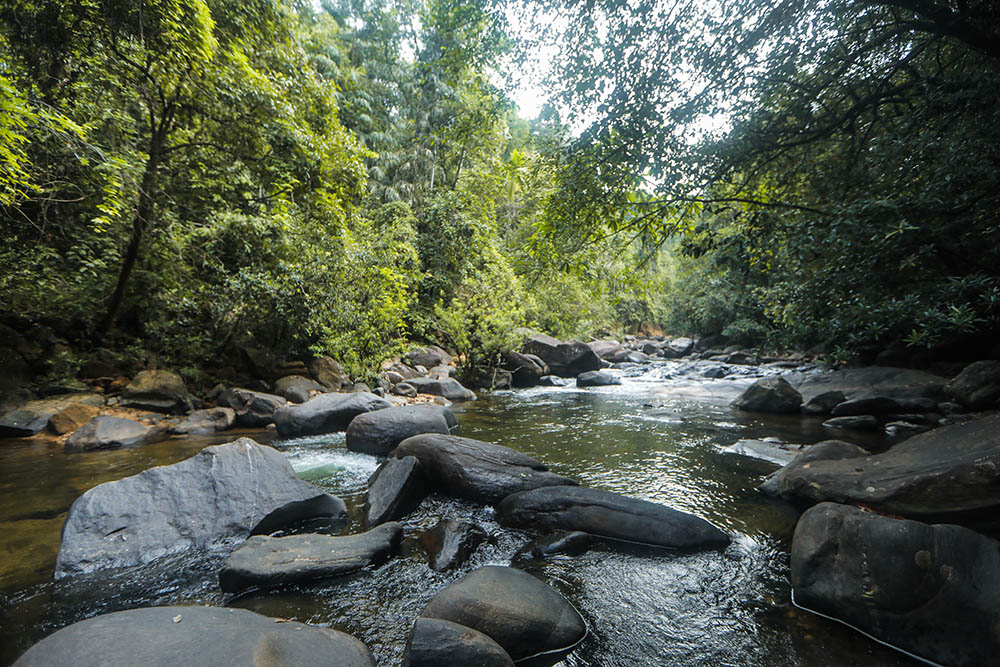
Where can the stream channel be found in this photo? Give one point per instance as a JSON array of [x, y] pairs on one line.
[[658, 436]]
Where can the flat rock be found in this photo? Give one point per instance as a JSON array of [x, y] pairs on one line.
[[296, 388], [253, 408], [977, 387], [204, 422], [854, 422], [828, 450], [450, 543], [609, 515], [822, 404], [868, 381], [596, 379], [519, 612], [275, 561], [379, 432], [32, 417], [778, 453], [447, 387], [326, 413], [107, 432], [866, 405], [215, 497], [769, 394], [926, 589], [947, 471], [157, 390], [434, 642], [395, 490], [476, 470], [169, 636]]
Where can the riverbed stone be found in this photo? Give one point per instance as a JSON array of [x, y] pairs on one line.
[[769, 394], [296, 388], [395, 490], [564, 358], [159, 390], [944, 472], [609, 515], [476, 470], [868, 381], [428, 357], [213, 498], [596, 379], [434, 642], [828, 450], [328, 373], [326, 413], [378, 432], [778, 453], [32, 417], [72, 417], [519, 612], [264, 561], [450, 543], [854, 422], [447, 387], [551, 381], [107, 432], [926, 589], [977, 387], [609, 350], [866, 405], [525, 369], [561, 542], [168, 636], [206, 422], [678, 347], [253, 408]]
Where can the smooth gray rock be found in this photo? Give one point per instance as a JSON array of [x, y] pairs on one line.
[[822, 404], [450, 543], [161, 391], [828, 450], [275, 561], [203, 422], [596, 379], [428, 357], [434, 642], [609, 515], [395, 490], [215, 497], [866, 405], [926, 589], [868, 381], [476, 470], [610, 350], [770, 394], [107, 432], [519, 612], [977, 387], [379, 432], [32, 417], [854, 422], [551, 381], [446, 387], [253, 408], [564, 358], [296, 388], [171, 636], [326, 413]]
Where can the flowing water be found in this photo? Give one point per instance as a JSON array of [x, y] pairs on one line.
[[658, 436]]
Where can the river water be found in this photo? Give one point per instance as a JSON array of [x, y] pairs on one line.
[[658, 436]]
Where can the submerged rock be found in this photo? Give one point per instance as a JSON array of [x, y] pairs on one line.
[[434, 642], [326, 413], [168, 636], [476, 470], [107, 432], [777, 453], [921, 588], [379, 432], [569, 542], [770, 394], [274, 561], [161, 391], [395, 490], [450, 543], [520, 613], [219, 494], [610, 515], [854, 422], [596, 379]]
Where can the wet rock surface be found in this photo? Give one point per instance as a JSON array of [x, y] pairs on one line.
[[451, 542], [395, 489], [596, 379], [379, 432], [770, 394], [564, 358], [434, 642]]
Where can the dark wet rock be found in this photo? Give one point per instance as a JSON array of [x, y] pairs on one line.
[[596, 379], [203, 422], [297, 389], [566, 359], [715, 372], [32, 417], [868, 405], [828, 450], [404, 389], [326, 413], [917, 404], [854, 422], [822, 404], [922, 588], [395, 490], [551, 381], [476, 470], [770, 394], [428, 357], [901, 427], [72, 417], [450, 543], [868, 381], [678, 347], [169, 636], [379, 432], [253, 408], [434, 642], [328, 373], [217, 495], [107, 432], [162, 391], [519, 612], [651, 348], [446, 387], [526, 369], [610, 515], [568, 542], [321, 511], [741, 358], [486, 378], [263, 561], [609, 350], [401, 369], [946, 471], [977, 387], [637, 358]]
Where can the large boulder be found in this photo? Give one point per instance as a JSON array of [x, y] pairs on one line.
[[437, 643], [926, 589], [428, 357], [476, 470], [608, 515], [525, 369], [169, 636], [326, 413], [107, 432], [977, 387], [447, 387], [566, 359], [328, 373], [450, 543], [828, 450], [296, 388], [596, 379], [379, 432], [206, 422], [947, 471], [609, 350], [679, 347], [395, 490], [822, 404], [770, 394], [217, 496], [264, 561], [253, 408], [868, 381], [520, 613], [32, 417], [161, 391]]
